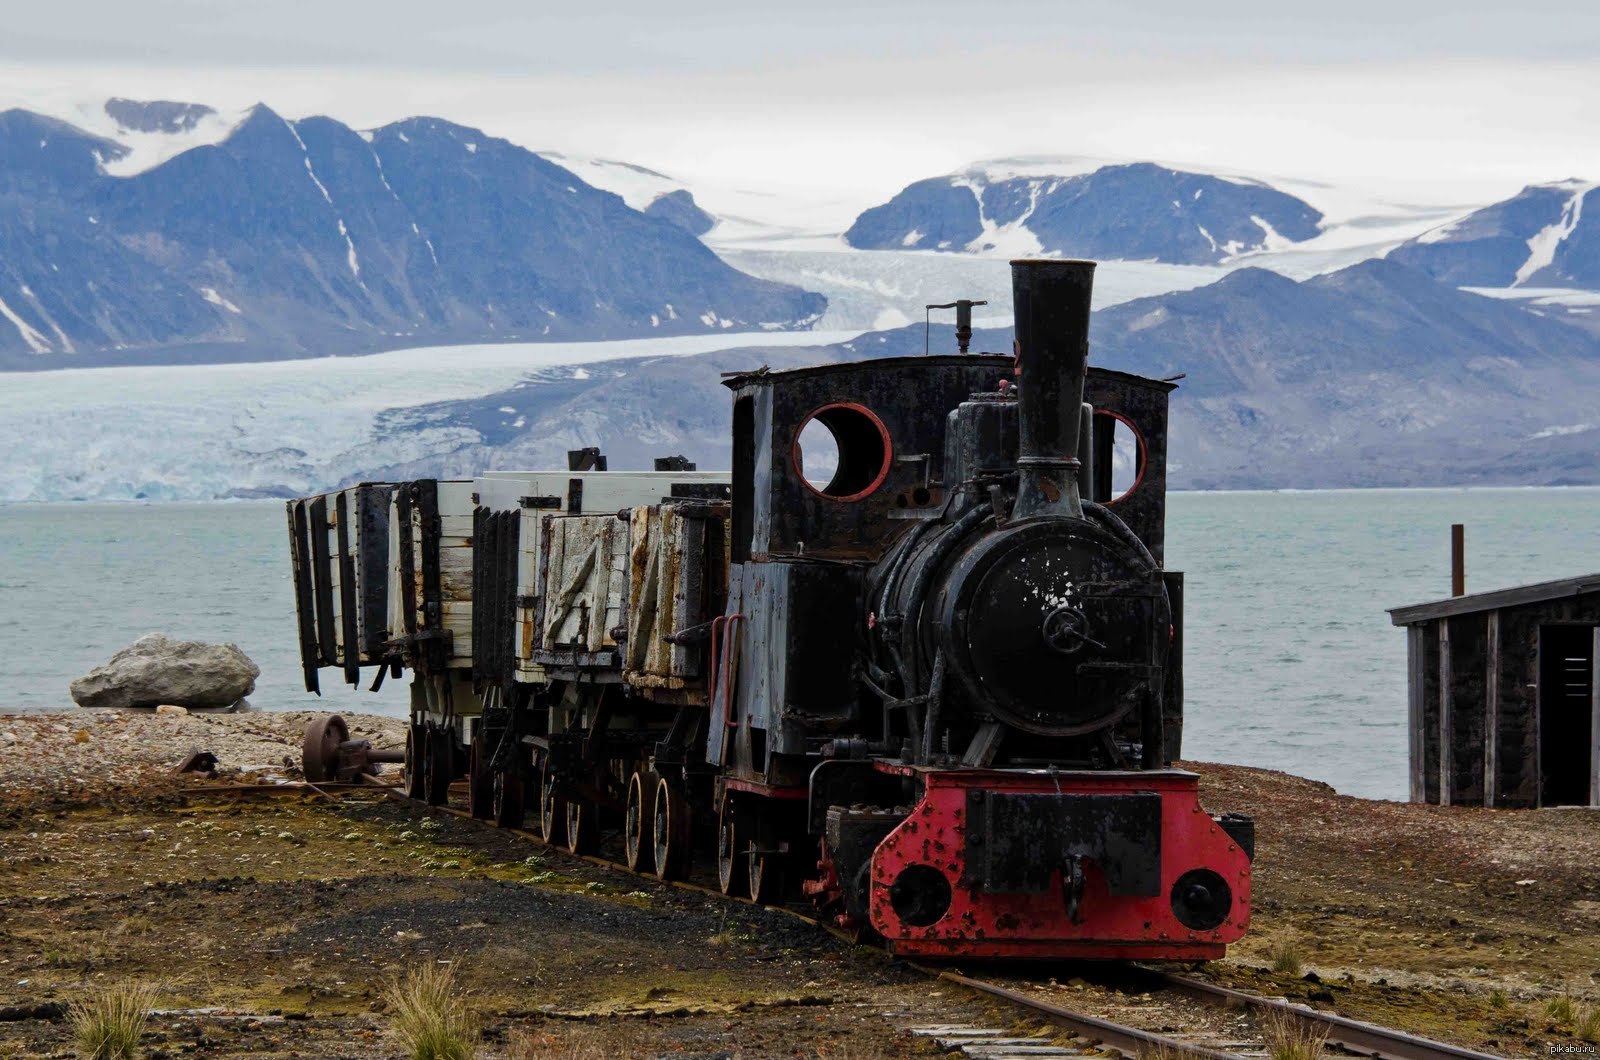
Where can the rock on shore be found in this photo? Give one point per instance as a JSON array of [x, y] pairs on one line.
[[157, 669]]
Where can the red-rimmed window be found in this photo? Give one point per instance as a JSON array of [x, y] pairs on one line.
[[1119, 456], [842, 451]]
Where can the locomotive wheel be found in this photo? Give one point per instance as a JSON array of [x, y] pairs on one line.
[[732, 850], [583, 826], [552, 809], [765, 865], [319, 754], [440, 766], [416, 761], [510, 798], [638, 826], [671, 830], [480, 780]]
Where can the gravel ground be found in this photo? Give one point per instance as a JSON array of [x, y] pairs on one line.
[[84, 751]]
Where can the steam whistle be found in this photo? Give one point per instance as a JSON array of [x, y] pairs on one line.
[[963, 308]]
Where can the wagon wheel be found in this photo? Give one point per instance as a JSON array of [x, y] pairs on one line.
[[583, 826], [509, 791], [552, 809], [416, 761], [480, 780], [765, 865], [319, 754], [731, 849], [440, 768], [671, 830], [638, 826]]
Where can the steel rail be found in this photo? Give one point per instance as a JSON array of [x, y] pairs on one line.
[[1365, 1039], [1117, 1035]]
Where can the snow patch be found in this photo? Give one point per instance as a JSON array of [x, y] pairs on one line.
[[1011, 240], [912, 238], [1561, 432], [36, 342], [344, 233], [1542, 247], [210, 294], [1271, 240], [581, 373]]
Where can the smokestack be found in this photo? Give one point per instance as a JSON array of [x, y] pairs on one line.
[[1051, 301]]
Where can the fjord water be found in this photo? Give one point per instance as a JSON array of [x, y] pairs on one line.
[[1290, 660]]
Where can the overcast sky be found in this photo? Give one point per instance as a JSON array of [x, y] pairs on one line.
[[1449, 102]]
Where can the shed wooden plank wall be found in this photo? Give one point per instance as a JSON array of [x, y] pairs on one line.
[[1474, 711]]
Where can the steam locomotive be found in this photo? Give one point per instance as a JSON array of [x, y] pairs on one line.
[[936, 686]]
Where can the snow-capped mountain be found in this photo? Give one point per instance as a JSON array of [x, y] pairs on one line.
[[1548, 235], [1136, 212], [307, 237]]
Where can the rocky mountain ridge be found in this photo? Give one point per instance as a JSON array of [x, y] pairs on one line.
[[296, 238]]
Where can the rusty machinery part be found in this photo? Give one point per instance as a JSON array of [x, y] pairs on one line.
[[197, 761], [328, 754]]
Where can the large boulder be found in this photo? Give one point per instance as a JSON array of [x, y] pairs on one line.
[[157, 669]]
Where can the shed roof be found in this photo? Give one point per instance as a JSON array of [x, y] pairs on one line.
[[1515, 596]]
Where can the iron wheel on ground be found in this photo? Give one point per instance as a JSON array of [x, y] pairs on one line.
[[552, 809], [416, 761], [638, 824], [671, 830], [480, 778], [440, 770], [731, 850]]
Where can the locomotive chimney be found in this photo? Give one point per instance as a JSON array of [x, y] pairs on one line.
[[1051, 301]]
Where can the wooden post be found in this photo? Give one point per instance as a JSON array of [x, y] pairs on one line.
[[1446, 757], [1415, 692], [1458, 560], [1491, 711], [1594, 721]]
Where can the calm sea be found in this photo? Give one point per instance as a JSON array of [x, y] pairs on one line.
[[1291, 662]]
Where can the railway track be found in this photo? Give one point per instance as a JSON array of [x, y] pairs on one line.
[[1139, 1011]]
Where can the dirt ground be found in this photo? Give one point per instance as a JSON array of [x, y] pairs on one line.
[[271, 924], [1456, 922]]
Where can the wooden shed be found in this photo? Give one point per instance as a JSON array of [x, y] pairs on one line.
[[1504, 696]]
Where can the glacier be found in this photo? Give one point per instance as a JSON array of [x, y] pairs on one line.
[[209, 432]]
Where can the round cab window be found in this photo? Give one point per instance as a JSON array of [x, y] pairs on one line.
[[842, 452], [1119, 457]]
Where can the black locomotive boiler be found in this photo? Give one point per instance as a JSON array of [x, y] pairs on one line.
[[937, 689]]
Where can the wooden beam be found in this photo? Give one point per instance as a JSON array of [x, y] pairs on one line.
[[1513, 597], [1491, 711], [1416, 688], [1446, 757]]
